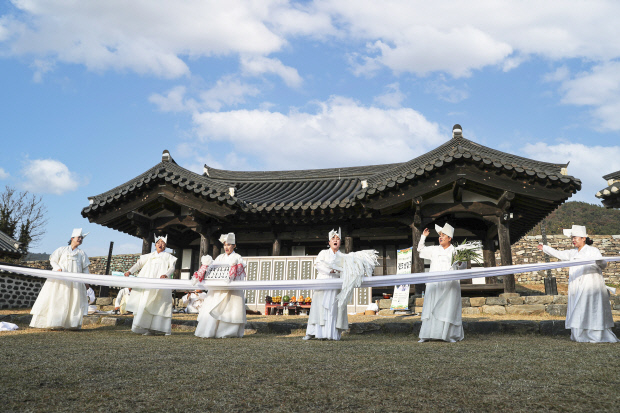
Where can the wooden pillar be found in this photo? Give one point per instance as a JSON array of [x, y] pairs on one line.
[[417, 263], [275, 252], [146, 244], [505, 251], [488, 255], [216, 250], [348, 245], [204, 246]]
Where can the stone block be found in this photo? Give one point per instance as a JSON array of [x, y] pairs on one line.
[[383, 303], [465, 302], [516, 301], [510, 295], [260, 326], [90, 319], [386, 312], [616, 307], [249, 331], [494, 309], [471, 310], [418, 310], [539, 299], [520, 326], [397, 328], [419, 302], [282, 328], [111, 321], [104, 301], [557, 309], [24, 319], [106, 307], [364, 328], [496, 301], [477, 301], [526, 309], [481, 327], [553, 328], [560, 299]]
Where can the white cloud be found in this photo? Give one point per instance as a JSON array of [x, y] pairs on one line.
[[49, 176], [258, 65], [154, 37], [340, 133], [598, 88], [3, 174], [393, 98], [228, 91], [443, 91], [588, 163]]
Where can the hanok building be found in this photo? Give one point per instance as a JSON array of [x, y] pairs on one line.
[[610, 196], [9, 247], [484, 193]]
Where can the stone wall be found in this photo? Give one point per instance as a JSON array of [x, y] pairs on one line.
[[525, 251], [18, 291]]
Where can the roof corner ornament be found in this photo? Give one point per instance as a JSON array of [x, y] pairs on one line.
[[457, 131], [165, 156], [205, 170], [364, 184], [231, 191], [564, 170]]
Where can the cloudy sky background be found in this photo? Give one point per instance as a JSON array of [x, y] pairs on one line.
[[91, 93]]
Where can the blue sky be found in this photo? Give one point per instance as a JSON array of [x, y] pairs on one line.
[[91, 93]]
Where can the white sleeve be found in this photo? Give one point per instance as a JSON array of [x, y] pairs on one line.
[[55, 259], [119, 297], [139, 264], [171, 264], [91, 295], [560, 255]]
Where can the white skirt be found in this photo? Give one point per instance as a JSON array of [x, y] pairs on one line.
[[222, 315], [60, 304]]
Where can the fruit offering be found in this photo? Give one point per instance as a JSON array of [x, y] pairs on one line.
[[286, 299]]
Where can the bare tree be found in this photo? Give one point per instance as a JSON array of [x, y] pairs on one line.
[[22, 216]]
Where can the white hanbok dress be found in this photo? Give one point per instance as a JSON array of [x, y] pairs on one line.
[[441, 312], [327, 320], [121, 300], [223, 312], [61, 304], [194, 302], [152, 309], [588, 314]]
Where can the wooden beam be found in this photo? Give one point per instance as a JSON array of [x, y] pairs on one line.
[[457, 190], [505, 250], [503, 202], [477, 208]]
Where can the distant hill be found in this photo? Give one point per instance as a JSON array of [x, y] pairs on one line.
[[597, 219], [37, 256]]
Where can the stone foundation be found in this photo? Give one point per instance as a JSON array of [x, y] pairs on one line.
[[18, 291]]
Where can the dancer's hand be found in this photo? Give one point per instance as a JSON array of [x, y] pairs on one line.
[[426, 232]]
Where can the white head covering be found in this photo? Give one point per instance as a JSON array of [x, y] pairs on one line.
[[229, 238], [163, 238], [576, 231], [447, 229], [77, 232], [333, 233], [206, 260]]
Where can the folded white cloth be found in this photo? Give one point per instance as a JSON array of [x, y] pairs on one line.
[[4, 326]]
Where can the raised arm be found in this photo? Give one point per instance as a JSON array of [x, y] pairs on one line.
[[560, 255]]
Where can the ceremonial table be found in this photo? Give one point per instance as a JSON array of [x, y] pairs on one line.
[[278, 309]]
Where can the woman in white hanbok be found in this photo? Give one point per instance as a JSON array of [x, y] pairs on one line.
[[61, 304], [152, 309], [223, 311], [441, 311], [588, 314], [327, 319]]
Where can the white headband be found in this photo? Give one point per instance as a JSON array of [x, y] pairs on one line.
[[447, 230], [228, 238], [576, 231], [163, 238], [77, 232], [333, 233]]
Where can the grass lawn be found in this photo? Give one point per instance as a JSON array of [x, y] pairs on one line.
[[112, 369]]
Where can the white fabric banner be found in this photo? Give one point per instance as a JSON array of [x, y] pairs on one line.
[[323, 284], [400, 298]]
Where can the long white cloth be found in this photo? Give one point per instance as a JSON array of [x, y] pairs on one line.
[[327, 319], [152, 308], [588, 313], [441, 312], [223, 312], [331, 284], [62, 302]]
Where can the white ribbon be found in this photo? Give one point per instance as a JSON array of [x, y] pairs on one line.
[[322, 284]]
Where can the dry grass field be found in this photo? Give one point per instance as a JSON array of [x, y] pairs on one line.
[[111, 369]]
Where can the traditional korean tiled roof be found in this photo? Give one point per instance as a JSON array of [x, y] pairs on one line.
[[610, 196], [9, 245], [256, 191], [166, 171]]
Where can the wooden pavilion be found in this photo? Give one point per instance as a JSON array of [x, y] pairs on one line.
[[484, 193], [610, 196]]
